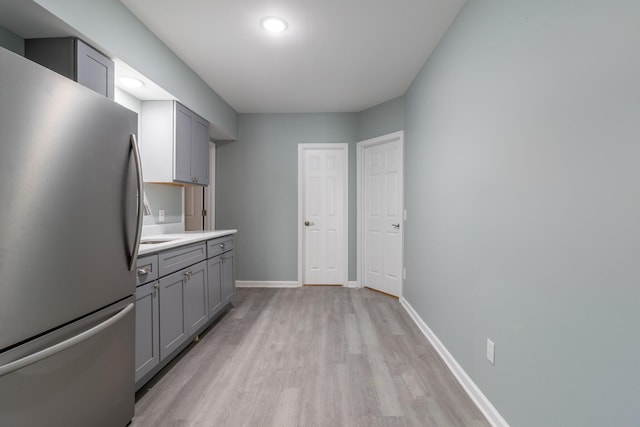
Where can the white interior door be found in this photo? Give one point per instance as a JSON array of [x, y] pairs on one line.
[[323, 216], [382, 213], [193, 207]]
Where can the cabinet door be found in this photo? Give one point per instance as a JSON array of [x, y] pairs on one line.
[[214, 273], [195, 297], [94, 70], [74, 59], [147, 329], [200, 151], [228, 276], [173, 331], [183, 137]]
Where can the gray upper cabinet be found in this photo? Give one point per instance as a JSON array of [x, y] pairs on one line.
[[74, 59], [174, 143]]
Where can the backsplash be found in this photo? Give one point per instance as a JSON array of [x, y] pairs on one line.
[[167, 198]]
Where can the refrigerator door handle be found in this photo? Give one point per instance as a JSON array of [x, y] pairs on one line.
[[63, 345], [136, 242]]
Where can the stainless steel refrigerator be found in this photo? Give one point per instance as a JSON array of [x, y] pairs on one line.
[[69, 230]]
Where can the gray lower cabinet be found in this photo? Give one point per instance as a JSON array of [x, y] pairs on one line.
[[177, 259], [228, 275], [147, 329], [214, 282], [147, 350], [222, 272], [195, 297], [173, 331], [182, 306], [179, 292]]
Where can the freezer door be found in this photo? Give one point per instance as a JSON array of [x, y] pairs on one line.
[[86, 381], [67, 200]]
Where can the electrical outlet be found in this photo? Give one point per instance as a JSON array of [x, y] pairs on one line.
[[161, 215], [491, 351]]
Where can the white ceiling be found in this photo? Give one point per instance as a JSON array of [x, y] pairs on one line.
[[336, 56]]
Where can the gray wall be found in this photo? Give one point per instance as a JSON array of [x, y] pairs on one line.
[[11, 41], [165, 197], [112, 28], [257, 188], [382, 119], [523, 198]]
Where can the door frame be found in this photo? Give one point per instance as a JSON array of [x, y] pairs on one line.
[[360, 169], [210, 191], [344, 147]]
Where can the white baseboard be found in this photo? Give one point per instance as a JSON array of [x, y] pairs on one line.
[[279, 284], [481, 401], [265, 284]]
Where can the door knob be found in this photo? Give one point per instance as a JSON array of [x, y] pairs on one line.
[[308, 223]]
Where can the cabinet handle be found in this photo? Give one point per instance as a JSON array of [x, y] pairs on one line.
[[396, 226], [140, 183], [188, 273], [221, 245], [144, 270], [61, 346], [156, 285]]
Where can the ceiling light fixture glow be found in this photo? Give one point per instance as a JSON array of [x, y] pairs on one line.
[[130, 82], [273, 24]]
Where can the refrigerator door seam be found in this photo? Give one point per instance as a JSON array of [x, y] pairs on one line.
[[63, 345]]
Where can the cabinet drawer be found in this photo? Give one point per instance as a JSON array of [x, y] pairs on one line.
[[174, 260], [146, 269], [219, 246]]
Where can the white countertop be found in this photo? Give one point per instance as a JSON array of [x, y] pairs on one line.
[[179, 239]]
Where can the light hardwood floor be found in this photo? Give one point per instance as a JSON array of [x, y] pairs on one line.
[[312, 356]]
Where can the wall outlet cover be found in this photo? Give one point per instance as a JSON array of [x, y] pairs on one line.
[[491, 351]]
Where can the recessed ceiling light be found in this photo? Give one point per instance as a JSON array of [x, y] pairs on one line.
[[130, 82], [273, 24]]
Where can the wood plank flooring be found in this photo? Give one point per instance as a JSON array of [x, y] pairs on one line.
[[312, 356]]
